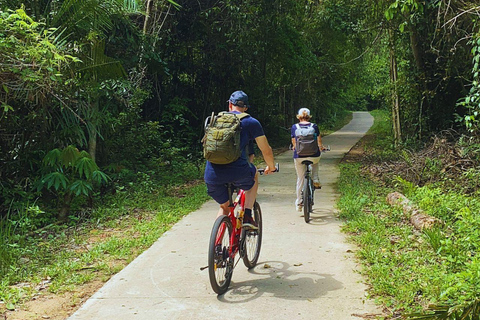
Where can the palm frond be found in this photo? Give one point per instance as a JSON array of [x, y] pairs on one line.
[[86, 15], [101, 67], [77, 16]]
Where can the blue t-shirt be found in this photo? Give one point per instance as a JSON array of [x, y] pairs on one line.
[[305, 125], [241, 168]]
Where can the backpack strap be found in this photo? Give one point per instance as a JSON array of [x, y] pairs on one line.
[[240, 116]]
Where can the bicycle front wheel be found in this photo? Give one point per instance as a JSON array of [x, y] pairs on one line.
[[220, 267], [252, 240], [307, 205]]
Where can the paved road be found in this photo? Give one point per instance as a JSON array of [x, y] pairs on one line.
[[305, 271]]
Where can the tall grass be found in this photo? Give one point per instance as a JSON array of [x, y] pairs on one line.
[[7, 252]]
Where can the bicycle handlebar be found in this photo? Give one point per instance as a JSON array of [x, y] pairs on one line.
[[327, 148], [277, 169]]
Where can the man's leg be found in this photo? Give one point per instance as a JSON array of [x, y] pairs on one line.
[[251, 195], [219, 193], [223, 209]]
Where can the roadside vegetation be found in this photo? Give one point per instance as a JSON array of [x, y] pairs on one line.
[[96, 244], [424, 274]]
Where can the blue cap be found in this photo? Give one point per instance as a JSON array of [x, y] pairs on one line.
[[239, 96]]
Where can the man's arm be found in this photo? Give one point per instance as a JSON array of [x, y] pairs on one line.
[[267, 152]]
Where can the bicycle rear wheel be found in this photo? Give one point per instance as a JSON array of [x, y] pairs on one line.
[[220, 266], [252, 240], [307, 205]]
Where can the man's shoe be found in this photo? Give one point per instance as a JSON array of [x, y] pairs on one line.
[[299, 208], [317, 184], [249, 223]]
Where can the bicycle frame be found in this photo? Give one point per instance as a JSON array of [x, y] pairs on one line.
[[308, 191], [229, 237], [236, 221], [308, 174]]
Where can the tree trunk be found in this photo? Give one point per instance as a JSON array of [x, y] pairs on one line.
[[417, 217], [395, 99], [147, 16], [417, 51], [418, 54], [92, 132], [65, 209]]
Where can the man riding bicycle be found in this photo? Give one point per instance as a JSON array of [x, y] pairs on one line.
[[242, 173]]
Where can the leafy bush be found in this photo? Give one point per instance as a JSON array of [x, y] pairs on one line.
[[471, 102], [70, 173]]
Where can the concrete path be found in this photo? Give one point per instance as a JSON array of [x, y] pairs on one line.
[[305, 271]]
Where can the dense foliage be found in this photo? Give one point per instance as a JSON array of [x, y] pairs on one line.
[[130, 83]]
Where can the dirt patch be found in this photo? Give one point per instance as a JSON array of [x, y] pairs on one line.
[[54, 306]]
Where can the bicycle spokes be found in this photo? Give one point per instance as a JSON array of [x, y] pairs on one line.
[[220, 234], [219, 261]]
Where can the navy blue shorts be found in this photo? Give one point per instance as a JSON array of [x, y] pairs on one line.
[[219, 192]]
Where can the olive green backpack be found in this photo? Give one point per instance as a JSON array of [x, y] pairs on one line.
[[221, 142]]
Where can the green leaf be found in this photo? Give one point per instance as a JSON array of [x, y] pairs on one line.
[[55, 179], [69, 156], [100, 177], [86, 167], [81, 187], [52, 157], [6, 107], [176, 5]]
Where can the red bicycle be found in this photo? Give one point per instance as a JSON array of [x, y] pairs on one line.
[[228, 238]]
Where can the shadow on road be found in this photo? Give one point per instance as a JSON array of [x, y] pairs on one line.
[[281, 280]]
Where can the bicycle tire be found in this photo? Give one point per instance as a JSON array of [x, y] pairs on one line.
[[220, 266], [306, 199], [252, 240]]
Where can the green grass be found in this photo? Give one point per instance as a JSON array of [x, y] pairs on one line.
[[398, 261], [407, 269], [117, 232]]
